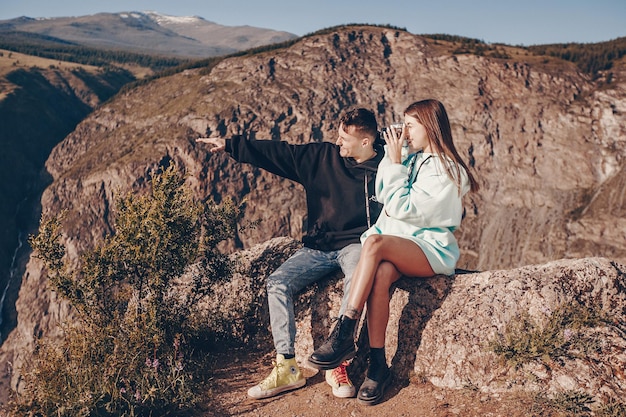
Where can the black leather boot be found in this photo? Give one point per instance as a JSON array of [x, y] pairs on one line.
[[373, 388], [337, 348]]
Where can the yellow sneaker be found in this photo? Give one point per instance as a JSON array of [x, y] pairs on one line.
[[285, 376], [339, 380]]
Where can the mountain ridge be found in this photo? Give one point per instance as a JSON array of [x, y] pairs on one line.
[[186, 36]]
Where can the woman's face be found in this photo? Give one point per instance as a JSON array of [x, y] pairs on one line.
[[416, 136]]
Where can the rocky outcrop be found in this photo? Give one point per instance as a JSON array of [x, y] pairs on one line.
[[547, 144], [443, 329]]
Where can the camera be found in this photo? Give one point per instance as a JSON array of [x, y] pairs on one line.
[[397, 126]]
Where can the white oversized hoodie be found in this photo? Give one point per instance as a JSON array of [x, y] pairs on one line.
[[425, 208]]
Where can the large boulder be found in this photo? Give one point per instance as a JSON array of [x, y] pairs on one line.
[[447, 330]]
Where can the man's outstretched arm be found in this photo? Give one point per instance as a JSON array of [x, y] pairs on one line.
[[217, 144]]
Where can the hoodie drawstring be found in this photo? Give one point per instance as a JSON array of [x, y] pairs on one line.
[[367, 202]]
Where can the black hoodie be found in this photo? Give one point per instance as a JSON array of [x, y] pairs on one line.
[[339, 191]]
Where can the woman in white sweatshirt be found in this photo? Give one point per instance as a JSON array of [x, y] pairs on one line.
[[413, 236]]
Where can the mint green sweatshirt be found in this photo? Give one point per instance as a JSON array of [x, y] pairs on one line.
[[425, 209]]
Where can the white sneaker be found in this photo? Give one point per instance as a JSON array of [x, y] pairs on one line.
[[285, 376], [339, 380]]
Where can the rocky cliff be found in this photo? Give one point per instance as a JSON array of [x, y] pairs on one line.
[[547, 143], [554, 328], [38, 108]]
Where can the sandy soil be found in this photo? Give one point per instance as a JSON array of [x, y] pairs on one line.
[[231, 380]]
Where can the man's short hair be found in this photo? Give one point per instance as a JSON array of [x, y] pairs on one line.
[[362, 120]]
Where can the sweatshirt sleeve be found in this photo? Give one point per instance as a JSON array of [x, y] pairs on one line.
[[280, 158], [432, 200]]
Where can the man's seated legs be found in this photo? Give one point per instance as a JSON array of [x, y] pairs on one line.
[[303, 268]]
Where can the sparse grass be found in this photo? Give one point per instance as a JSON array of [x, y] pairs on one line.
[[562, 336], [566, 404], [572, 402], [612, 408], [576, 403]]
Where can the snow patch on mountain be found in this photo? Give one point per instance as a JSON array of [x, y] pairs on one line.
[[162, 19]]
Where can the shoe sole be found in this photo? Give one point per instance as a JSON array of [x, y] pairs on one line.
[[345, 393], [327, 366], [279, 390], [341, 391], [376, 400]]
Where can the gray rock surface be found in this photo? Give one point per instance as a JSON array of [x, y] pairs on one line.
[[441, 328]]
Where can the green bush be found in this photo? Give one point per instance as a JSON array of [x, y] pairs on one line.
[[130, 351]]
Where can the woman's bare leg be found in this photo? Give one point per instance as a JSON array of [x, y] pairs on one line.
[[378, 303], [407, 257], [390, 252]]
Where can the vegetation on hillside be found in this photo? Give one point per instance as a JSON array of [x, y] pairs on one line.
[[463, 45], [590, 58], [54, 48], [567, 333], [132, 350]]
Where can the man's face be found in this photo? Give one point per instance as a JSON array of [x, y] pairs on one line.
[[350, 146]]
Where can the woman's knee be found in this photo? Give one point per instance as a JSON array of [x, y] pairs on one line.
[[372, 245], [386, 275]]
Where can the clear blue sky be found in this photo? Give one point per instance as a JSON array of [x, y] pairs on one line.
[[519, 22]]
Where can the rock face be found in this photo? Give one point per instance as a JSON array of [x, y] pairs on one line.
[[547, 145], [452, 350], [41, 108], [441, 328]]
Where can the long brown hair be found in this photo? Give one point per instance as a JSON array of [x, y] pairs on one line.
[[433, 116]]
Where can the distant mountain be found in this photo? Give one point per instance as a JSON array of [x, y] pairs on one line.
[[189, 36]]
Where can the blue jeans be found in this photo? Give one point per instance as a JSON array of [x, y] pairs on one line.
[[301, 269]]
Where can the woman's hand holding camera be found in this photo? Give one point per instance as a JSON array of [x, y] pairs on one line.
[[394, 137]]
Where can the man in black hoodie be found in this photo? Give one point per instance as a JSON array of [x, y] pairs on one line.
[[339, 181]]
